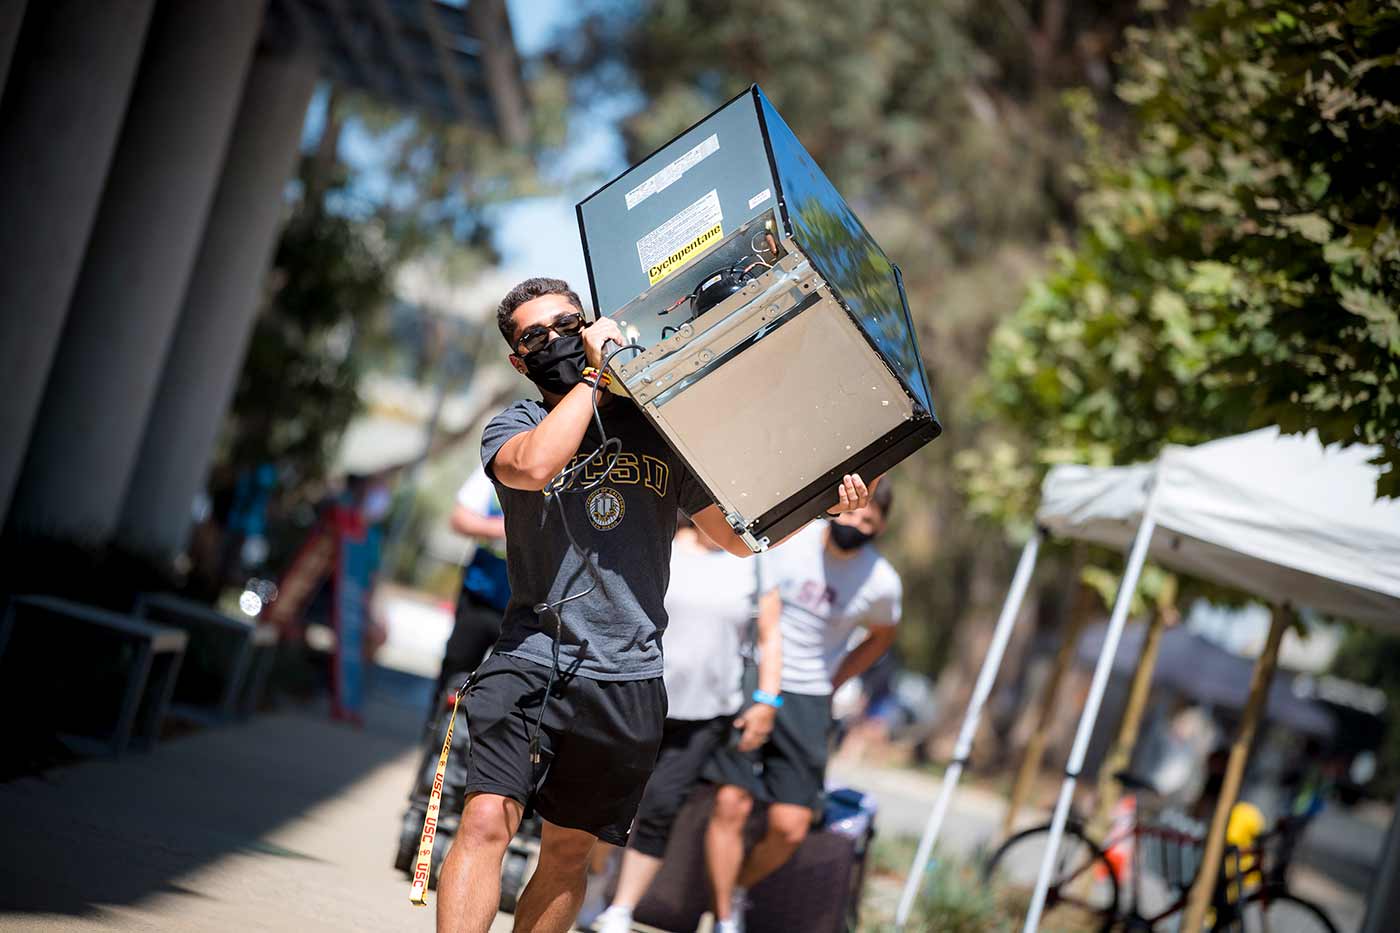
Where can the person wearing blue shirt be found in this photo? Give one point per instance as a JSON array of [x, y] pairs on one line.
[[485, 585], [481, 602]]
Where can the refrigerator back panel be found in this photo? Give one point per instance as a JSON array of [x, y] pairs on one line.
[[776, 347]]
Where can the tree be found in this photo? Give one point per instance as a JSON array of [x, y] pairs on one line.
[[423, 192], [1237, 263], [298, 388]]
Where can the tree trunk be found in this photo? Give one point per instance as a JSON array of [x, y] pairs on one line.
[[1203, 889]]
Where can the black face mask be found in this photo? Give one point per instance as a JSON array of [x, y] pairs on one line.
[[557, 366], [849, 537]]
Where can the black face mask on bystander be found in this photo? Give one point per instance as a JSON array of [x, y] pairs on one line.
[[557, 366], [849, 537]]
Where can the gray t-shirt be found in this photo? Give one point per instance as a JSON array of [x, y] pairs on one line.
[[625, 525], [825, 599]]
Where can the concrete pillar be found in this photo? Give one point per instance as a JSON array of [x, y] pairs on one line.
[[69, 78], [206, 354], [139, 257], [11, 16]]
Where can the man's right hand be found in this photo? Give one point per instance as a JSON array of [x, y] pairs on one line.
[[757, 725], [597, 334]]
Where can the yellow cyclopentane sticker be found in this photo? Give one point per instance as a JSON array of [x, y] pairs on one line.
[[682, 237], [659, 270]]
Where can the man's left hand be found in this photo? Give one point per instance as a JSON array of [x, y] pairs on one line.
[[852, 494]]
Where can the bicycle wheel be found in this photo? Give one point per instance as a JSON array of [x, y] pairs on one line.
[[1083, 892], [1271, 911]]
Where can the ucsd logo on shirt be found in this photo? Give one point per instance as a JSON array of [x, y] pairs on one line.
[[605, 505]]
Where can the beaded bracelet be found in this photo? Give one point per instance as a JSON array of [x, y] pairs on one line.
[[595, 378]]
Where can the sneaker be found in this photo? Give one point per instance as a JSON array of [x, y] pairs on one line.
[[738, 906], [614, 920], [593, 900]]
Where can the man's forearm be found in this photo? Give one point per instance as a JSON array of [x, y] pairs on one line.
[[861, 657], [770, 643], [473, 524], [532, 458]]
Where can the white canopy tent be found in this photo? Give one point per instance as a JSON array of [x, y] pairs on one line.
[[1274, 515], [1277, 516]]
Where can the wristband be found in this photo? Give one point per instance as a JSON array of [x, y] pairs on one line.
[[768, 699], [595, 378]]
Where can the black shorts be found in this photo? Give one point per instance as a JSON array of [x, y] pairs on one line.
[[598, 743], [686, 745], [791, 766]]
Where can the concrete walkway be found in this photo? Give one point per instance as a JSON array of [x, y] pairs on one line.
[[288, 822]]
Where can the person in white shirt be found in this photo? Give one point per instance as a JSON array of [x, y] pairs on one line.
[[830, 580], [711, 603]]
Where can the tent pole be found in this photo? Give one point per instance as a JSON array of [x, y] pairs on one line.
[[1136, 559], [1203, 888], [986, 678], [1122, 751], [1383, 906], [1035, 746]]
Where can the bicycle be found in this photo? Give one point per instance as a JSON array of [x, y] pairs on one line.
[[1161, 860]]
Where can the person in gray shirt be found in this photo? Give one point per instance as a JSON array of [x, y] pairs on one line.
[[578, 747]]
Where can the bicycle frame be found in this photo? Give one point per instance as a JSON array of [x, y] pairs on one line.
[[1245, 862], [1254, 874]]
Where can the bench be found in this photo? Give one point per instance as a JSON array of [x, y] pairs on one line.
[[63, 661], [226, 663]]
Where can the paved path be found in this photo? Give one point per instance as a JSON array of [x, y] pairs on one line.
[[288, 822]]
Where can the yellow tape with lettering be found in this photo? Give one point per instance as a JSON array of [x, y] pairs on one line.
[[685, 254], [422, 869]]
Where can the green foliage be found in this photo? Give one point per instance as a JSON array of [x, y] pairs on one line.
[[440, 180], [1237, 266], [425, 194], [1373, 658], [297, 391], [955, 898]]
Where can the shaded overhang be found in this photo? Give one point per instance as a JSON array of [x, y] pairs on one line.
[[447, 61]]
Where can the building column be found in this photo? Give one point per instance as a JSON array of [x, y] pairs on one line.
[[11, 16], [139, 257], [67, 88], [203, 363]]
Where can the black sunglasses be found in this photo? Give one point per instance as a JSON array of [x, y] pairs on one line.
[[536, 336]]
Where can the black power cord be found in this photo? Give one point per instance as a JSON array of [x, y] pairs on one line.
[[565, 482], [562, 483]]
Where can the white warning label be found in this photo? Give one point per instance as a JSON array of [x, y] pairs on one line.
[[672, 173], [682, 238]]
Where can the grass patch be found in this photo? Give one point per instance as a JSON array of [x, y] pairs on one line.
[[954, 897]]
